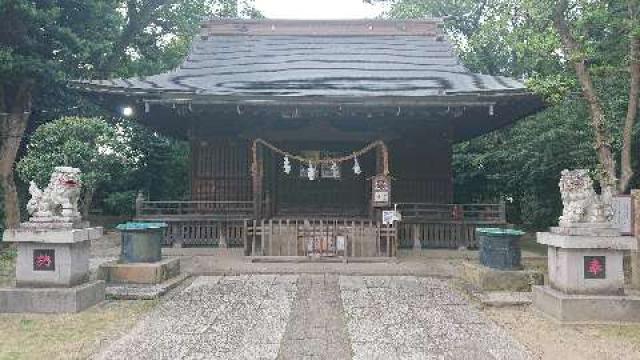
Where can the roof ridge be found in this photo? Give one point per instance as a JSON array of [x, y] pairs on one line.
[[355, 27]]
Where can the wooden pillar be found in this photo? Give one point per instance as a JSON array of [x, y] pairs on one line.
[[416, 236], [139, 203], [635, 254], [257, 180]]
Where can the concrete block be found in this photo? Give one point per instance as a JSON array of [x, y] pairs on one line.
[[586, 242], [487, 279], [140, 273], [70, 264], [567, 271], [51, 300], [567, 308], [505, 298], [35, 235], [143, 291]]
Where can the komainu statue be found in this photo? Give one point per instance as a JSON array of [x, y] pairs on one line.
[[580, 202], [58, 202]]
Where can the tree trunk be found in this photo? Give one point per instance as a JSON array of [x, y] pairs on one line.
[[13, 126], [598, 120], [87, 200], [626, 169], [14, 116]]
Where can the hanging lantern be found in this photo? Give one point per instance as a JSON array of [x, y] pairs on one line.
[[311, 172], [286, 165], [356, 166]]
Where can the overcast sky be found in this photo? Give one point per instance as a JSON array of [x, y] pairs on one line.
[[318, 9]]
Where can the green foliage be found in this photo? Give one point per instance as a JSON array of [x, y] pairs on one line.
[[103, 152], [119, 203], [522, 164], [166, 38], [161, 172], [117, 160], [43, 44]]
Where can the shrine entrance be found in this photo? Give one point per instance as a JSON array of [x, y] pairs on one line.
[[318, 202], [316, 184]]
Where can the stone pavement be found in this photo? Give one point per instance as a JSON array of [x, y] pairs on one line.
[[240, 317], [316, 328], [316, 316], [406, 317]]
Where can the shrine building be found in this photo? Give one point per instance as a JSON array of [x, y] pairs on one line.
[[305, 133]]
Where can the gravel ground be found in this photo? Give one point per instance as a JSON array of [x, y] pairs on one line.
[[419, 318], [548, 340], [242, 317]]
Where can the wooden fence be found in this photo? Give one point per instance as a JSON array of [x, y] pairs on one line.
[[194, 209], [231, 224], [321, 237], [446, 225], [444, 213], [211, 233]]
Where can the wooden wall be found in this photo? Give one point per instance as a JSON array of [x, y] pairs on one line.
[[220, 170], [420, 166]]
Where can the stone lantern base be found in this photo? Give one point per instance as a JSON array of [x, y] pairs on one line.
[[52, 269], [568, 308], [586, 278]]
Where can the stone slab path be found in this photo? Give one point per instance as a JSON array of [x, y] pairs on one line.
[[316, 316], [240, 317], [405, 317], [316, 328]]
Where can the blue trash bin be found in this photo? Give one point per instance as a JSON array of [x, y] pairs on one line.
[[500, 248], [141, 242]]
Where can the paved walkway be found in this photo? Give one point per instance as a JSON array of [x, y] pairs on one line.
[[240, 317], [316, 328], [316, 316], [405, 317]]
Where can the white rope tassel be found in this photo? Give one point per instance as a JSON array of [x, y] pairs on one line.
[[311, 172], [287, 165], [334, 170], [356, 166]]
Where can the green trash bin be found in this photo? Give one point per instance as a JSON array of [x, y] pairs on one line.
[[500, 248], [141, 242]]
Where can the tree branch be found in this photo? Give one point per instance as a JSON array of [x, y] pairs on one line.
[[137, 20], [598, 121]]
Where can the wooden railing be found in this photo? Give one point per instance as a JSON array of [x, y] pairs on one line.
[[231, 224], [199, 223], [446, 225], [453, 213], [194, 209], [211, 233]]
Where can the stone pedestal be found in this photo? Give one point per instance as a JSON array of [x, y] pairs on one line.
[[484, 278], [140, 273], [52, 269], [585, 273], [51, 300]]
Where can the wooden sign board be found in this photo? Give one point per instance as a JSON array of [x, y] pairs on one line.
[[623, 214], [381, 191]]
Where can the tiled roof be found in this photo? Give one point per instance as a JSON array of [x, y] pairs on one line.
[[317, 59]]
